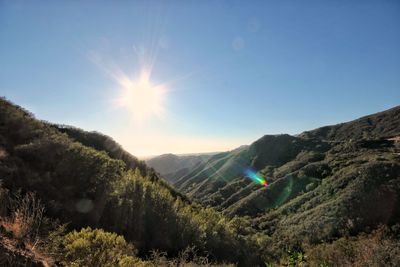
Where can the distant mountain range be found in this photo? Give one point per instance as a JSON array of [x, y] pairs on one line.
[[172, 167]]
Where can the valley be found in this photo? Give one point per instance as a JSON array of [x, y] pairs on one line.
[[327, 190]]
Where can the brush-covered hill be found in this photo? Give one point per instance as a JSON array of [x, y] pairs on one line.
[[283, 159], [380, 125], [322, 184], [85, 179], [220, 181], [74, 198], [172, 167]]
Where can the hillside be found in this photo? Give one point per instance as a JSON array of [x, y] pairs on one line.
[[87, 180], [65, 193], [172, 167], [216, 180], [220, 181], [323, 184], [383, 124]]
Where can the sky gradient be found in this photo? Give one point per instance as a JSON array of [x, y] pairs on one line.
[[232, 71]]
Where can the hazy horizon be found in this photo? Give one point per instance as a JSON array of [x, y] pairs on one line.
[[189, 77]]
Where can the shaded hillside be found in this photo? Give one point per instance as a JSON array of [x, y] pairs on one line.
[[101, 142], [84, 181], [172, 167], [105, 143]]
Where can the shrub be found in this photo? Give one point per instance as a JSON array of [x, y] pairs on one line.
[[95, 247], [296, 258]]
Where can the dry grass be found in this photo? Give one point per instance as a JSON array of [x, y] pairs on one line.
[[20, 237], [186, 258], [379, 248], [26, 217]]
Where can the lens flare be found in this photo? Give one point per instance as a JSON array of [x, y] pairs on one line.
[[255, 178]]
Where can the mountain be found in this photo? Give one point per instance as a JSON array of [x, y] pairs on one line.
[[322, 184], [221, 182], [172, 167], [69, 197], [380, 125], [59, 175]]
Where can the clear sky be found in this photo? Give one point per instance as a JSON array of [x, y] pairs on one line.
[[198, 76]]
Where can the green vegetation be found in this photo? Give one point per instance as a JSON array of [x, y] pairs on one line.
[[82, 186], [75, 198], [325, 184], [97, 248], [46, 243]]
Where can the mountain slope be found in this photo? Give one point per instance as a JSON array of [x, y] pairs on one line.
[[172, 167], [321, 193], [301, 163], [84, 179], [383, 124], [114, 150], [105, 143], [324, 184], [221, 170]]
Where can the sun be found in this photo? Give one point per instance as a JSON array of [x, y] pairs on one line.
[[141, 97]]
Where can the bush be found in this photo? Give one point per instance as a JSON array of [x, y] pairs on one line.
[[95, 247]]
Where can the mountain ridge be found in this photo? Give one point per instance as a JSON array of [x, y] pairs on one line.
[[322, 195], [276, 156], [84, 179]]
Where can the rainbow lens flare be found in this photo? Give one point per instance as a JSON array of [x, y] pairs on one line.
[[255, 178]]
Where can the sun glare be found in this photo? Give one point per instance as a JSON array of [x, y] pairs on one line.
[[141, 97]]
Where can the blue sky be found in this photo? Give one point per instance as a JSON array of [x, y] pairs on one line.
[[233, 70]]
